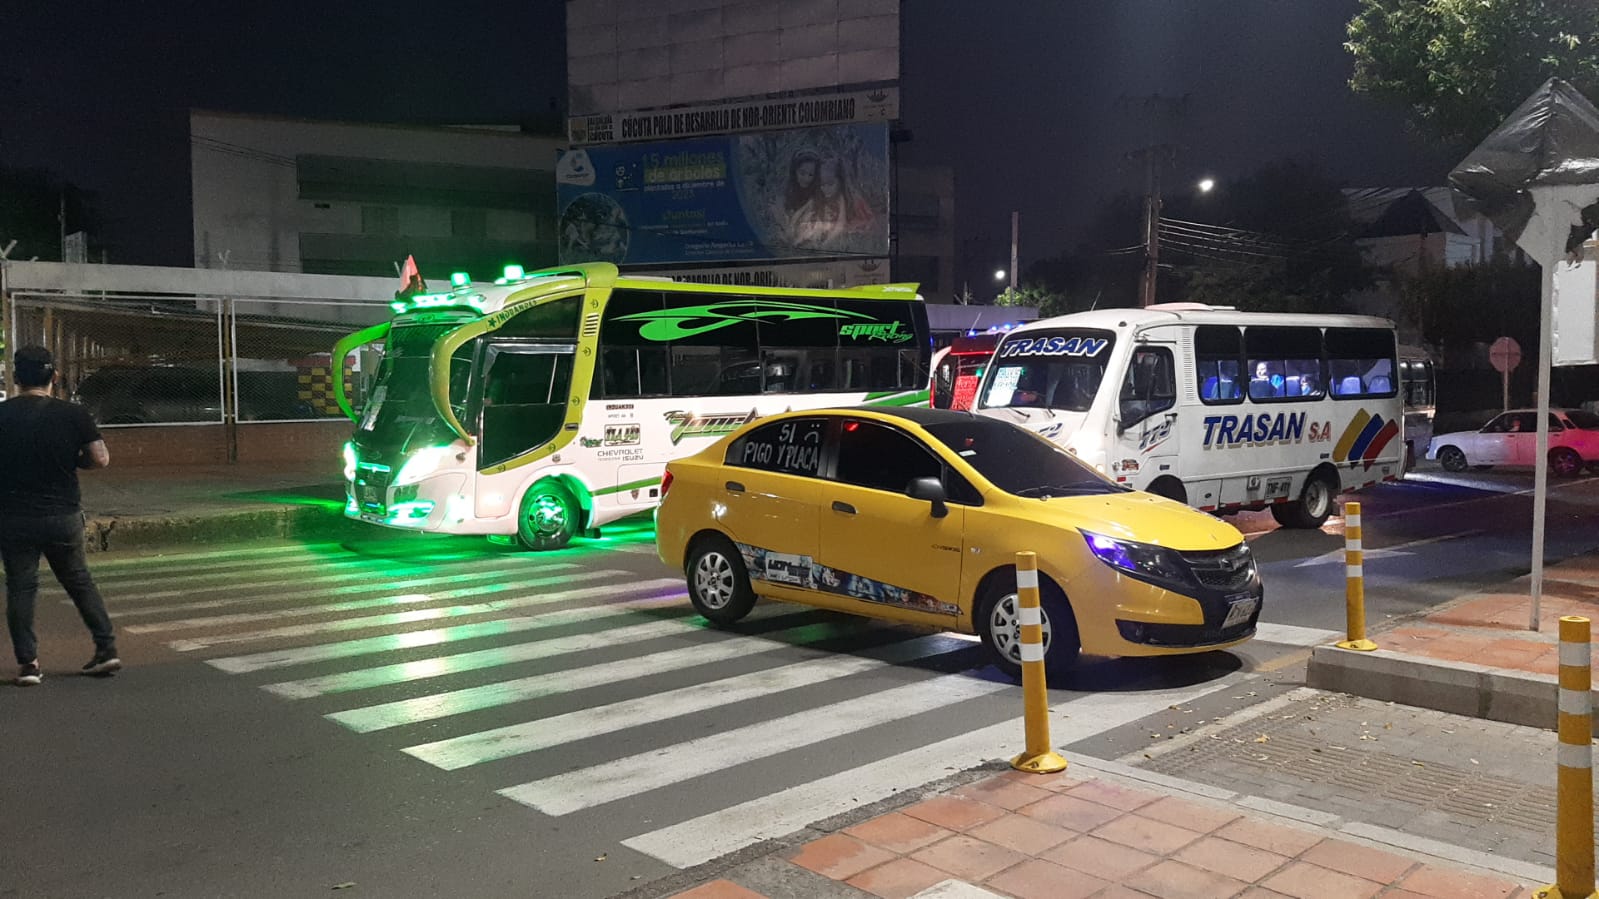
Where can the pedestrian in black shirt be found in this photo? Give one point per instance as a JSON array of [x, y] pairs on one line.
[[43, 442]]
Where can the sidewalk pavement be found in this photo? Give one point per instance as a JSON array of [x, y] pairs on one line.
[[166, 507], [1101, 831], [1474, 655]]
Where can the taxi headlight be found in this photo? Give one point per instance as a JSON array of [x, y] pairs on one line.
[[422, 463], [1155, 564]]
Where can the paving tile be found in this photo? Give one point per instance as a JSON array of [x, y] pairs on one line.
[[954, 812], [1021, 833], [898, 879], [1114, 795], [1055, 782], [1303, 880], [1005, 793], [1361, 861], [1117, 891], [1263, 893], [1246, 863], [839, 856], [968, 857], [1175, 880], [1190, 815], [898, 833], [1071, 812], [1276, 838], [1447, 884], [1403, 894], [1037, 879], [1146, 834], [1109, 861], [718, 889]]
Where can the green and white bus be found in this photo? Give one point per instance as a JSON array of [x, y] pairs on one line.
[[547, 403]]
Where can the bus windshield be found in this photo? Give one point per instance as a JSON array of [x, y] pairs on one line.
[[400, 410], [1048, 369], [1018, 461]]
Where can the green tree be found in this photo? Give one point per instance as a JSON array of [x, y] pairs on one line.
[[1455, 307], [1462, 66]]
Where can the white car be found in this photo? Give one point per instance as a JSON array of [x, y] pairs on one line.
[[1511, 439]]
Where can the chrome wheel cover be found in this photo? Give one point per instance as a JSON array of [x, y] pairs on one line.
[[714, 582], [546, 516], [1005, 627]]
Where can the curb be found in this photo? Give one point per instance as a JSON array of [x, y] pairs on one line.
[[108, 533], [1459, 688]]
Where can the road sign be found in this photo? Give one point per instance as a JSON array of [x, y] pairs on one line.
[[1505, 354]]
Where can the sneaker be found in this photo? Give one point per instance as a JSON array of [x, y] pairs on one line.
[[29, 675], [104, 662]]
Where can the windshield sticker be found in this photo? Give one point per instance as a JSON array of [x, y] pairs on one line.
[[806, 573], [373, 406], [676, 324], [1004, 385], [1053, 346], [688, 424], [1224, 431], [889, 332]]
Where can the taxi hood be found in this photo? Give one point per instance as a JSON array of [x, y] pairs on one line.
[[1142, 517]]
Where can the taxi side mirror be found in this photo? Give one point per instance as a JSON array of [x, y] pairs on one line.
[[931, 490]]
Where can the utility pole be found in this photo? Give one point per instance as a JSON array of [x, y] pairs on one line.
[[1154, 154], [1015, 233]]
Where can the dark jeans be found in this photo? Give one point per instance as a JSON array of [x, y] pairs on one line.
[[59, 538]]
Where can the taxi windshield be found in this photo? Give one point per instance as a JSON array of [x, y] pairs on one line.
[[1018, 461], [1048, 369]]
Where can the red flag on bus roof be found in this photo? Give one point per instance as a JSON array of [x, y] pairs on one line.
[[411, 279]]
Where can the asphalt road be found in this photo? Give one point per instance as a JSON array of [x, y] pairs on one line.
[[421, 716]]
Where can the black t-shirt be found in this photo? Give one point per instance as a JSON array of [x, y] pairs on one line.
[[40, 439]]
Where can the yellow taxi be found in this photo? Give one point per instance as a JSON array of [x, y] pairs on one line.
[[916, 515]]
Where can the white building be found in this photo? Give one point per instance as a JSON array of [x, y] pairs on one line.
[[321, 197]]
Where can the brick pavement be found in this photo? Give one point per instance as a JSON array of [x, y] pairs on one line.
[[1073, 836]]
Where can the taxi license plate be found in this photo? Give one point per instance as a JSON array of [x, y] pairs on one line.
[[1239, 612]]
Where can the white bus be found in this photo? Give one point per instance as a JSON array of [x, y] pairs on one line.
[[548, 403], [1220, 409]]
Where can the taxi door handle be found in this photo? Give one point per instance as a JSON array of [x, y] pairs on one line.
[[734, 487], [846, 508]]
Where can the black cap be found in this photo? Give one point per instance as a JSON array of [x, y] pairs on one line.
[[34, 366]]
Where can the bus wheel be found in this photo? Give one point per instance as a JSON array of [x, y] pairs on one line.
[[549, 518], [998, 622], [718, 584], [1311, 510], [1171, 488]]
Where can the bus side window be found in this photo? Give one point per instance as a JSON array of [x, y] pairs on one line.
[[1361, 362], [1150, 385], [1217, 349], [524, 403]]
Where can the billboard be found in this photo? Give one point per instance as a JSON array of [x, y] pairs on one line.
[[880, 104], [808, 193]]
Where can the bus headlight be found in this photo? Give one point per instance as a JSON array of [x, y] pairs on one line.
[[422, 463], [349, 461]]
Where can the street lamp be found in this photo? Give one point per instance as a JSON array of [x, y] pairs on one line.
[[1206, 185]]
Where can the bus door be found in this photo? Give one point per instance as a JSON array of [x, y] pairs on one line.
[[1147, 441], [524, 400]]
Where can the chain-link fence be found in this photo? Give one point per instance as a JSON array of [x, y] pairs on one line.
[[143, 360]]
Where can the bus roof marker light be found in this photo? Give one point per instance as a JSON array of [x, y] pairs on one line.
[[460, 279], [514, 273]]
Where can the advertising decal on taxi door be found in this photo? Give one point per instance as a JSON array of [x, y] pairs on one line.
[[790, 570]]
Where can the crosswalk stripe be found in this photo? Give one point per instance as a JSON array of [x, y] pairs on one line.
[[352, 605], [531, 736], [701, 839], [258, 552], [597, 785], [238, 586], [1293, 635], [638, 596], [368, 621], [456, 702], [217, 571]]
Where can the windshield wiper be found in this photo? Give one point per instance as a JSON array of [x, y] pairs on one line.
[[1021, 412], [1045, 491]]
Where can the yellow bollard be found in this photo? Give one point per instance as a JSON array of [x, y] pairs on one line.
[[1354, 582], [1039, 757], [1574, 789]]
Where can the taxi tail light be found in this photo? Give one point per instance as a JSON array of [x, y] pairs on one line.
[[666, 483]]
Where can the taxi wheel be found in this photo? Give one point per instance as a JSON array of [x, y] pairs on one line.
[[718, 584], [998, 623], [1310, 511], [549, 517]]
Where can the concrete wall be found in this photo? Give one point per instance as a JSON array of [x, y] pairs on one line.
[[259, 443], [246, 174]]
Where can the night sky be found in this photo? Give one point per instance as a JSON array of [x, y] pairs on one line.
[[1028, 100]]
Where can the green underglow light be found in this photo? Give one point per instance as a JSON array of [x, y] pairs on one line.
[[398, 306], [514, 273], [460, 279], [411, 514]]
